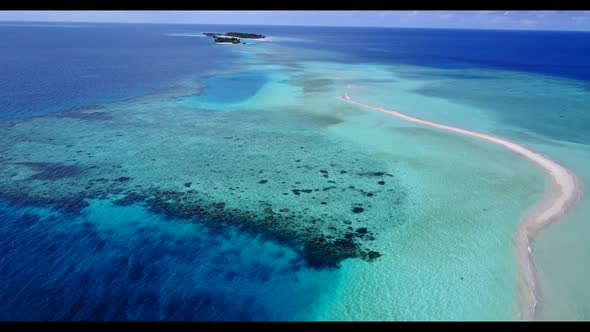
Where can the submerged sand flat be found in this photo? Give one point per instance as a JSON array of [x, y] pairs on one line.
[[564, 191]]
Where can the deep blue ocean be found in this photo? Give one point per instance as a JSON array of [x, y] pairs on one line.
[[57, 267], [51, 69], [48, 69], [534, 51]]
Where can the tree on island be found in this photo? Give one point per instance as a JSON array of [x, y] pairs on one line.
[[226, 40], [245, 35], [232, 37]]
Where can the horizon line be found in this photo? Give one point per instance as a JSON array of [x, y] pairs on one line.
[[297, 25]]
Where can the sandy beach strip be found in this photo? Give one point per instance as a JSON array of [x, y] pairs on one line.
[[563, 191]]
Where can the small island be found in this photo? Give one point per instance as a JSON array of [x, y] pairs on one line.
[[232, 37], [245, 35], [225, 40]]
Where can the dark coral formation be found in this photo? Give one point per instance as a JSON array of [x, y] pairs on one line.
[[357, 209], [83, 114], [378, 174], [316, 248], [129, 199], [298, 192], [74, 204], [315, 208], [51, 171]]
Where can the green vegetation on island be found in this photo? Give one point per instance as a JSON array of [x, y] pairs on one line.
[[232, 37], [245, 35], [226, 40]]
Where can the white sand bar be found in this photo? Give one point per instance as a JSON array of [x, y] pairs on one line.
[[564, 189]]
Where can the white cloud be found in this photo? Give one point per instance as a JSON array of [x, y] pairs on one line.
[[486, 12], [409, 16], [544, 13], [526, 21], [446, 16], [580, 18]]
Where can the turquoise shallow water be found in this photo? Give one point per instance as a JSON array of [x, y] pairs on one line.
[[450, 262], [248, 191], [228, 89]]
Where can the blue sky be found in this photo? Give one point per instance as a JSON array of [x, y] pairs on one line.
[[528, 20]]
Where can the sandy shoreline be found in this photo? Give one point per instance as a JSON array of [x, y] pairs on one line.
[[563, 191]]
